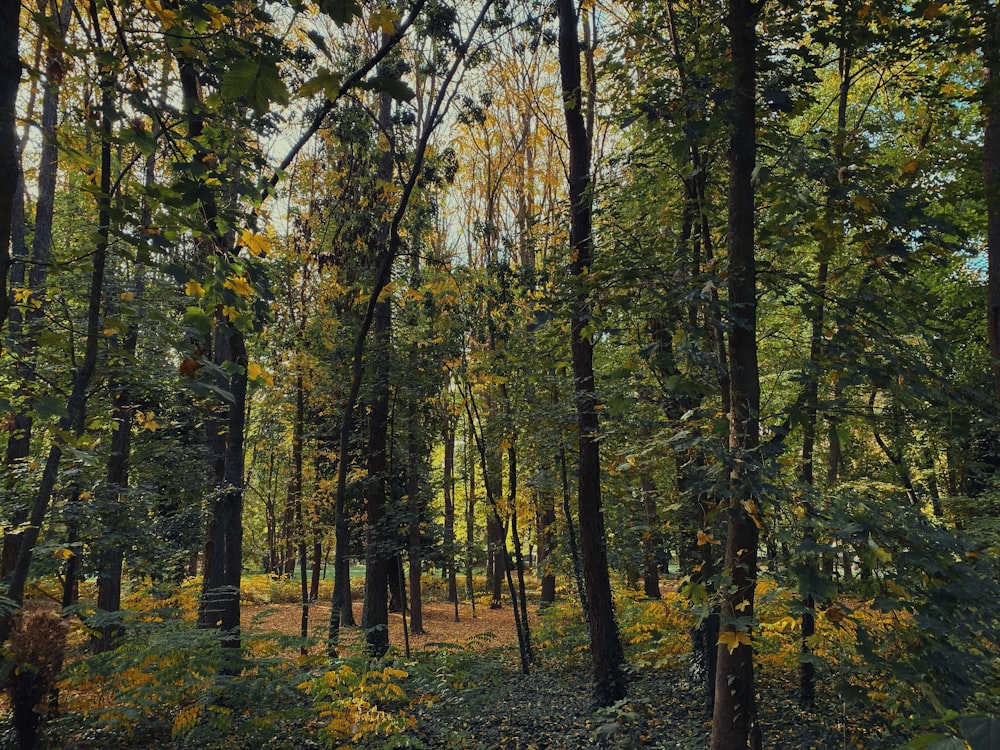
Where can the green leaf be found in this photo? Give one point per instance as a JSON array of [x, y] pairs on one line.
[[258, 82], [394, 87], [325, 81], [196, 318], [238, 80], [981, 732], [50, 406], [341, 11]]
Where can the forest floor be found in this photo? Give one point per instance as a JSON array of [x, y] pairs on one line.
[[550, 708], [484, 702]]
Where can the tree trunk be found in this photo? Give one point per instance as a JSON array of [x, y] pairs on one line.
[[19, 442], [991, 179], [77, 401], [651, 541], [734, 716], [415, 512], [449, 512], [546, 547], [380, 541], [10, 78], [495, 556], [605, 645]]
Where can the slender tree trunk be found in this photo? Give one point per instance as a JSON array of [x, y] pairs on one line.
[[382, 276], [470, 520], [605, 645], [449, 512], [10, 78], [522, 598], [734, 716], [415, 512], [991, 179], [574, 549], [295, 499], [317, 567], [77, 401], [19, 442], [546, 547], [651, 540]]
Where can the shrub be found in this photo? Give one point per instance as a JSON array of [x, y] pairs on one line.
[[37, 648]]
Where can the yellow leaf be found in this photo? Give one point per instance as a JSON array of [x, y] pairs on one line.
[[21, 294], [704, 539], [127, 296], [933, 10], [384, 20], [254, 243], [147, 421], [194, 289], [240, 285], [256, 372], [217, 17], [230, 312], [167, 17], [911, 166], [733, 639], [64, 553], [863, 203]]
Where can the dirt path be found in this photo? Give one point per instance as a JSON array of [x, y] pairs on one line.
[[489, 627]]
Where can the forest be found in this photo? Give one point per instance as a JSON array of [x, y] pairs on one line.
[[490, 373]]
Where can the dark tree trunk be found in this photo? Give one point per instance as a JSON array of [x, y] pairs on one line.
[[574, 549], [546, 547], [991, 179], [449, 512], [10, 78], [605, 645], [415, 512], [470, 520], [19, 442], [495, 556], [317, 568], [225, 424], [288, 537], [295, 500], [380, 542], [652, 541], [77, 401], [734, 717]]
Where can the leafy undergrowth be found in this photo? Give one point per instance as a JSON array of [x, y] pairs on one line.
[[170, 685]]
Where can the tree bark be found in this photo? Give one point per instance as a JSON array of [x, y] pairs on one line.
[[19, 442], [380, 543], [651, 540], [415, 512], [991, 180], [605, 644], [449, 511], [734, 716], [77, 401], [10, 79], [546, 547]]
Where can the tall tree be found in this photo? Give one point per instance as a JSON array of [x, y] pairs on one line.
[[991, 178], [10, 79], [605, 644], [734, 715]]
